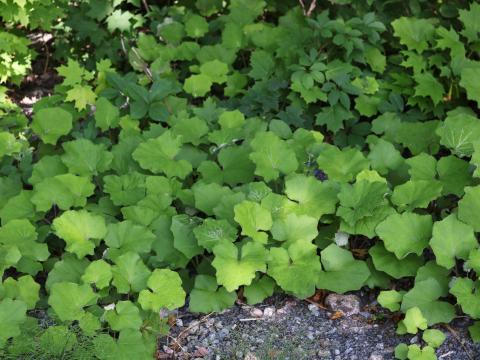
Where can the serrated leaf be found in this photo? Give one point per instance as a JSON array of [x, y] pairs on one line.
[[406, 233], [253, 219], [80, 230], [12, 315], [83, 157], [341, 165], [165, 291], [342, 272], [237, 266], [272, 156], [295, 269], [158, 156], [213, 232], [207, 297], [51, 123], [68, 300]]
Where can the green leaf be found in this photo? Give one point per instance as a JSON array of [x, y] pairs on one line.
[[158, 156], [253, 218], [416, 353], [458, 133], [429, 86], [215, 70], [20, 233], [80, 230], [82, 95], [375, 59], [469, 207], [455, 175], [24, 289], [294, 228], [18, 207], [414, 321], [12, 315], [196, 26], [416, 194], [184, 238], [424, 295], [68, 300], [414, 33], [314, 198], [107, 115], [341, 165], [434, 337], [387, 262], [237, 267], [333, 117], [51, 123], [125, 315], [57, 339], [127, 189], [469, 18], [295, 269], [259, 290], [452, 239], [207, 297], [474, 331], [119, 20], [405, 233], [165, 291], [212, 232], [83, 157], [390, 299], [98, 272], [342, 272], [262, 65], [129, 273], [466, 292], [126, 236], [65, 191], [72, 73], [197, 85], [272, 156]]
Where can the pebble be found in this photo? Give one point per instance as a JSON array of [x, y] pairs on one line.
[[348, 305], [257, 313], [337, 352], [375, 357], [179, 322], [414, 339], [250, 356], [269, 312]]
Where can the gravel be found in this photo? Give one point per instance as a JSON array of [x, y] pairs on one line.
[[286, 328]]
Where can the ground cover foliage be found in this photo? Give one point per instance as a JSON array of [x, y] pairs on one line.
[[201, 151]]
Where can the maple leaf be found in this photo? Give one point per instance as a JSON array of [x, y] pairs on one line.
[[82, 95]]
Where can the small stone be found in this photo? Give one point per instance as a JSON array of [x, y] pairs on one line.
[[179, 322], [269, 312], [348, 305], [250, 356], [201, 352], [337, 352], [310, 336], [414, 339], [375, 357], [257, 313]]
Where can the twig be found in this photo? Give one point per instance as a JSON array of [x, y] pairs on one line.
[[145, 5], [455, 335], [183, 333], [315, 303], [446, 354], [312, 7]]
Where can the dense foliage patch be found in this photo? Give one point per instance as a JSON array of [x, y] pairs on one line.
[[248, 147]]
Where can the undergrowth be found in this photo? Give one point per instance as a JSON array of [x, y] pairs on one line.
[[205, 150]]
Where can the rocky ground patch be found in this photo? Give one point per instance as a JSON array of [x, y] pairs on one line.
[[348, 328]]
